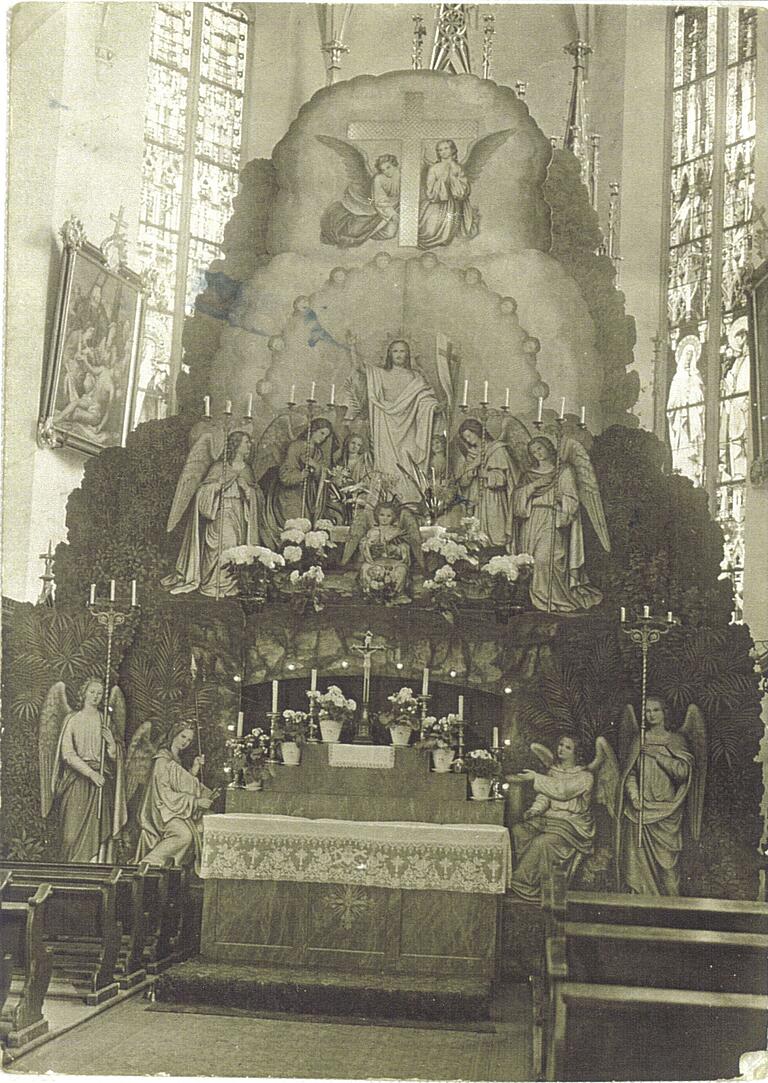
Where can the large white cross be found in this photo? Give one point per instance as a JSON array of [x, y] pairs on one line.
[[411, 131]]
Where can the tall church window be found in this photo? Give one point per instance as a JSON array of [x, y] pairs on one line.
[[192, 140], [711, 189]]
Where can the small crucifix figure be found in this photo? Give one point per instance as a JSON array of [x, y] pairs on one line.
[[411, 131], [366, 649]]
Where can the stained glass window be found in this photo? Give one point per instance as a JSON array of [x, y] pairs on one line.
[[190, 174], [711, 191]]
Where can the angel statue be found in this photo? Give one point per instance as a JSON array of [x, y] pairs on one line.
[[388, 539], [485, 477], [221, 505], [445, 211], [81, 770], [558, 830], [370, 207], [673, 769], [545, 521], [174, 798]]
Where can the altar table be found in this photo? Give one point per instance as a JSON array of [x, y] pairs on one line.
[[402, 897]]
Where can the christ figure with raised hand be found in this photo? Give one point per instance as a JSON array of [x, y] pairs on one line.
[[401, 410]]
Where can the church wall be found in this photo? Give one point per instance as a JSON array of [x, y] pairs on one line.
[[76, 146]]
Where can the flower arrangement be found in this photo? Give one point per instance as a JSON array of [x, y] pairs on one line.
[[381, 584], [480, 763], [306, 587], [248, 757], [443, 591], [508, 575], [303, 544], [333, 704], [441, 732], [405, 711], [254, 567], [449, 548], [293, 726], [508, 568]]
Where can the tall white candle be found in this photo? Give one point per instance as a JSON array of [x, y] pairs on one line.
[[293, 393], [249, 410], [313, 681], [228, 406], [133, 593], [562, 408], [460, 711], [485, 391], [111, 590], [646, 611], [333, 394], [669, 616], [207, 405], [583, 415], [425, 681], [623, 614], [93, 594], [495, 737], [466, 391], [274, 697], [240, 719], [312, 392], [541, 408], [506, 398]]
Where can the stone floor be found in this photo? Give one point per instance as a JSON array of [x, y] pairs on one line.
[[138, 1038]]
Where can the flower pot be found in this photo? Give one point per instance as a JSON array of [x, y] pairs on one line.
[[330, 730], [257, 784], [291, 753], [442, 758], [481, 788], [400, 735]]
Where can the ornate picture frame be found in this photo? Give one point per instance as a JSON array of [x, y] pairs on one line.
[[91, 376], [758, 374]]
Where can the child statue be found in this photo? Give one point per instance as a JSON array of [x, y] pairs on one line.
[[386, 556]]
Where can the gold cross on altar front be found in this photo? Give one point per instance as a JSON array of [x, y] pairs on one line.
[[411, 131]]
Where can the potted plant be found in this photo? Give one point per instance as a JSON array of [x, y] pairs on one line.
[[254, 568], [305, 546], [306, 588], [441, 738], [333, 710], [404, 718], [291, 732], [483, 769], [248, 760], [509, 576]]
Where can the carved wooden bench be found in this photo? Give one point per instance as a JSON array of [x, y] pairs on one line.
[[26, 961]]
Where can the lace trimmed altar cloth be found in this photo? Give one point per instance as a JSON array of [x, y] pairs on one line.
[[470, 858]]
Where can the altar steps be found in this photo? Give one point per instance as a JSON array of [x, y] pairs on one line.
[[325, 992]]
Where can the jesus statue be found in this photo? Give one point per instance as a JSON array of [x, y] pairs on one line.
[[401, 409]]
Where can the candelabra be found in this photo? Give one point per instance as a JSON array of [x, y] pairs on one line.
[[488, 31], [274, 717], [645, 632], [423, 699], [419, 33]]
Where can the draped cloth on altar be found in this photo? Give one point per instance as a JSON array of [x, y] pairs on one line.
[[470, 858]]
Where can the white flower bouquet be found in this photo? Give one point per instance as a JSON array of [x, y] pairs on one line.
[[333, 704]]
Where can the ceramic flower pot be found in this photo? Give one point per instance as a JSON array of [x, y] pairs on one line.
[[442, 758], [291, 753], [481, 788], [330, 730], [400, 735]]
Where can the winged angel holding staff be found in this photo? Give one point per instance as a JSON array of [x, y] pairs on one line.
[[370, 207], [81, 769]]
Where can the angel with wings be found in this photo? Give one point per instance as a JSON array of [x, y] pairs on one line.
[[389, 542], [545, 521], [673, 769], [370, 207], [221, 505], [558, 830], [445, 211], [81, 769]]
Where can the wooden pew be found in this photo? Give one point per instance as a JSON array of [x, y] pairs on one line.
[[22, 945], [81, 927], [619, 1032], [6, 958]]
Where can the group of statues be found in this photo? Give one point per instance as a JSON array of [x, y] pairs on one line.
[[402, 444], [652, 791]]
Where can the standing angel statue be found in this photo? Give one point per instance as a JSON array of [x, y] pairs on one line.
[[370, 207], [663, 773], [558, 829], [81, 769], [222, 506], [545, 521]]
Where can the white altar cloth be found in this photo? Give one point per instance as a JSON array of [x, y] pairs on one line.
[[471, 858]]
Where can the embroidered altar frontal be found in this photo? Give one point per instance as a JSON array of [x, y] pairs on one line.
[[410, 856], [404, 897]]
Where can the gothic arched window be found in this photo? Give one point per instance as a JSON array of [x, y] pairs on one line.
[[711, 190]]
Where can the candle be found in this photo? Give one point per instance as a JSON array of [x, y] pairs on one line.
[[425, 681], [249, 410], [207, 405], [93, 594], [646, 611], [506, 399], [623, 615], [274, 697], [228, 407], [312, 392], [485, 391], [495, 737], [669, 616], [134, 602], [111, 590], [541, 408], [562, 409], [313, 681], [240, 723], [333, 394], [466, 389], [460, 711], [583, 415], [293, 393]]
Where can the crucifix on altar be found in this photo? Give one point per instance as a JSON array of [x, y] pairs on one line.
[[367, 650], [411, 131]]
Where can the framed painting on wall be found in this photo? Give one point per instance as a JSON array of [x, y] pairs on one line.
[[91, 375], [758, 360]]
